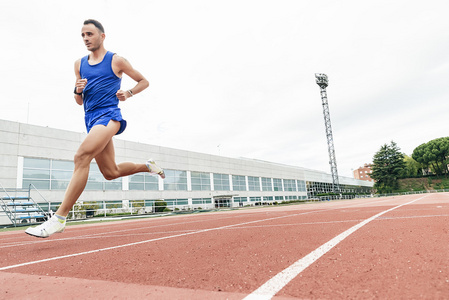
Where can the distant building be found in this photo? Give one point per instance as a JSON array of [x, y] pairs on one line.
[[363, 173], [43, 157]]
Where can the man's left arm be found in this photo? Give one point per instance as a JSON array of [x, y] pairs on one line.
[[121, 64]]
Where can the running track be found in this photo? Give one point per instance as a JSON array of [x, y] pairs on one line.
[[395, 248]]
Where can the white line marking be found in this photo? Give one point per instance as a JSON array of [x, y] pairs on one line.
[[278, 282]]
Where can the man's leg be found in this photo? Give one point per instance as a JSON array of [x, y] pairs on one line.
[[110, 170], [96, 141]]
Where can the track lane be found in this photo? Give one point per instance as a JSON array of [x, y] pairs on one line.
[[401, 255], [235, 259]]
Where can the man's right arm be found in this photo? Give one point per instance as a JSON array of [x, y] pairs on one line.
[[79, 84]]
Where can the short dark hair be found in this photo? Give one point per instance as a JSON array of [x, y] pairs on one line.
[[95, 23]]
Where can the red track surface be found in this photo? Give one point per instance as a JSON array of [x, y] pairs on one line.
[[401, 253]]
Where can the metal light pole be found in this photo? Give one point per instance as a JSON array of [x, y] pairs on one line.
[[321, 80]]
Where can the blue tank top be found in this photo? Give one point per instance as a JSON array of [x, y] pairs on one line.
[[102, 84]]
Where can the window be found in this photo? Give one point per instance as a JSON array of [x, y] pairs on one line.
[[266, 184], [240, 199], [277, 184], [96, 180], [201, 201], [36, 172], [176, 202], [61, 172], [253, 183], [301, 185], [200, 181], [268, 198], [48, 174], [221, 182], [143, 182], [175, 180], [290, 185], [238, 183]]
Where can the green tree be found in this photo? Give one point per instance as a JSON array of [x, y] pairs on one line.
[[388, 164], [412, 168], [433, 155]]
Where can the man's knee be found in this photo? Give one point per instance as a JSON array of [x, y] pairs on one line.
[[82, 158]]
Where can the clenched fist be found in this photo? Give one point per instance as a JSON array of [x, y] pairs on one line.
[[123, 95], [80, 85]]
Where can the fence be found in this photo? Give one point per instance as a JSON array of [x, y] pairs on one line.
[[144, 207]]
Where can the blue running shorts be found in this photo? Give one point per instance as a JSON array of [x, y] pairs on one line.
[[103, 116]]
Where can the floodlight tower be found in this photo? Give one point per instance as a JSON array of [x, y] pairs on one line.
[[321, 80]]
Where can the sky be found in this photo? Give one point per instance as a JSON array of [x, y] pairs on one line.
[[236, 78]]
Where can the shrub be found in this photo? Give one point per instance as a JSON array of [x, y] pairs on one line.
[[160, 206]]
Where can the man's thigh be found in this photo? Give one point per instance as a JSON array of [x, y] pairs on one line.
[[98, 138]]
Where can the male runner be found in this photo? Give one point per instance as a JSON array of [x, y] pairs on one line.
[[97, 87]]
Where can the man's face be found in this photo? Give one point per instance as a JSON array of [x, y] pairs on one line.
[[92, 37]]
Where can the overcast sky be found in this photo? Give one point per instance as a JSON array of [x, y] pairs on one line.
[[236, 77]]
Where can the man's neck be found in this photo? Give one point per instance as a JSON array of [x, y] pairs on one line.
[[97, 55]]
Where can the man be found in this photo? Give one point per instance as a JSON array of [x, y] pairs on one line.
[[97, 88]]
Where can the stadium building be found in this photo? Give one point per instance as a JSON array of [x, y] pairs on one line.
[[43, 157]]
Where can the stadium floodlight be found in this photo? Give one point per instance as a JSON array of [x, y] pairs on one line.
[[322, 81]]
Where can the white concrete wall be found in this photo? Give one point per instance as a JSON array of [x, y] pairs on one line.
[[23, 140]]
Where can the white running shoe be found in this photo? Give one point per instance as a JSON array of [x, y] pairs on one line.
[[154, 169], [52, 225]]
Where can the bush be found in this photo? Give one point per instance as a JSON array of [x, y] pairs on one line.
[[160, 206]]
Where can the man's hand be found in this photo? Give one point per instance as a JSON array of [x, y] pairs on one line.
[[122, 95], [80, 85]]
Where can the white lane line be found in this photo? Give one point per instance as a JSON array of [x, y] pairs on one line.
[[278, 282]]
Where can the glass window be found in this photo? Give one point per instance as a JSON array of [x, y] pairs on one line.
[[200, 181], [277, 183], [290, 185], [174, 202], [36, 174], [113, 185], [47, 174], [36, 163], [267, 198], [96, 181], [221, 182], [253, 183], [266, 184], [301, 185], [240, 199], [63, 165], [238, 183], [201, 201], [175, 180], [39, 184], [59, 184], [143, 182]]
